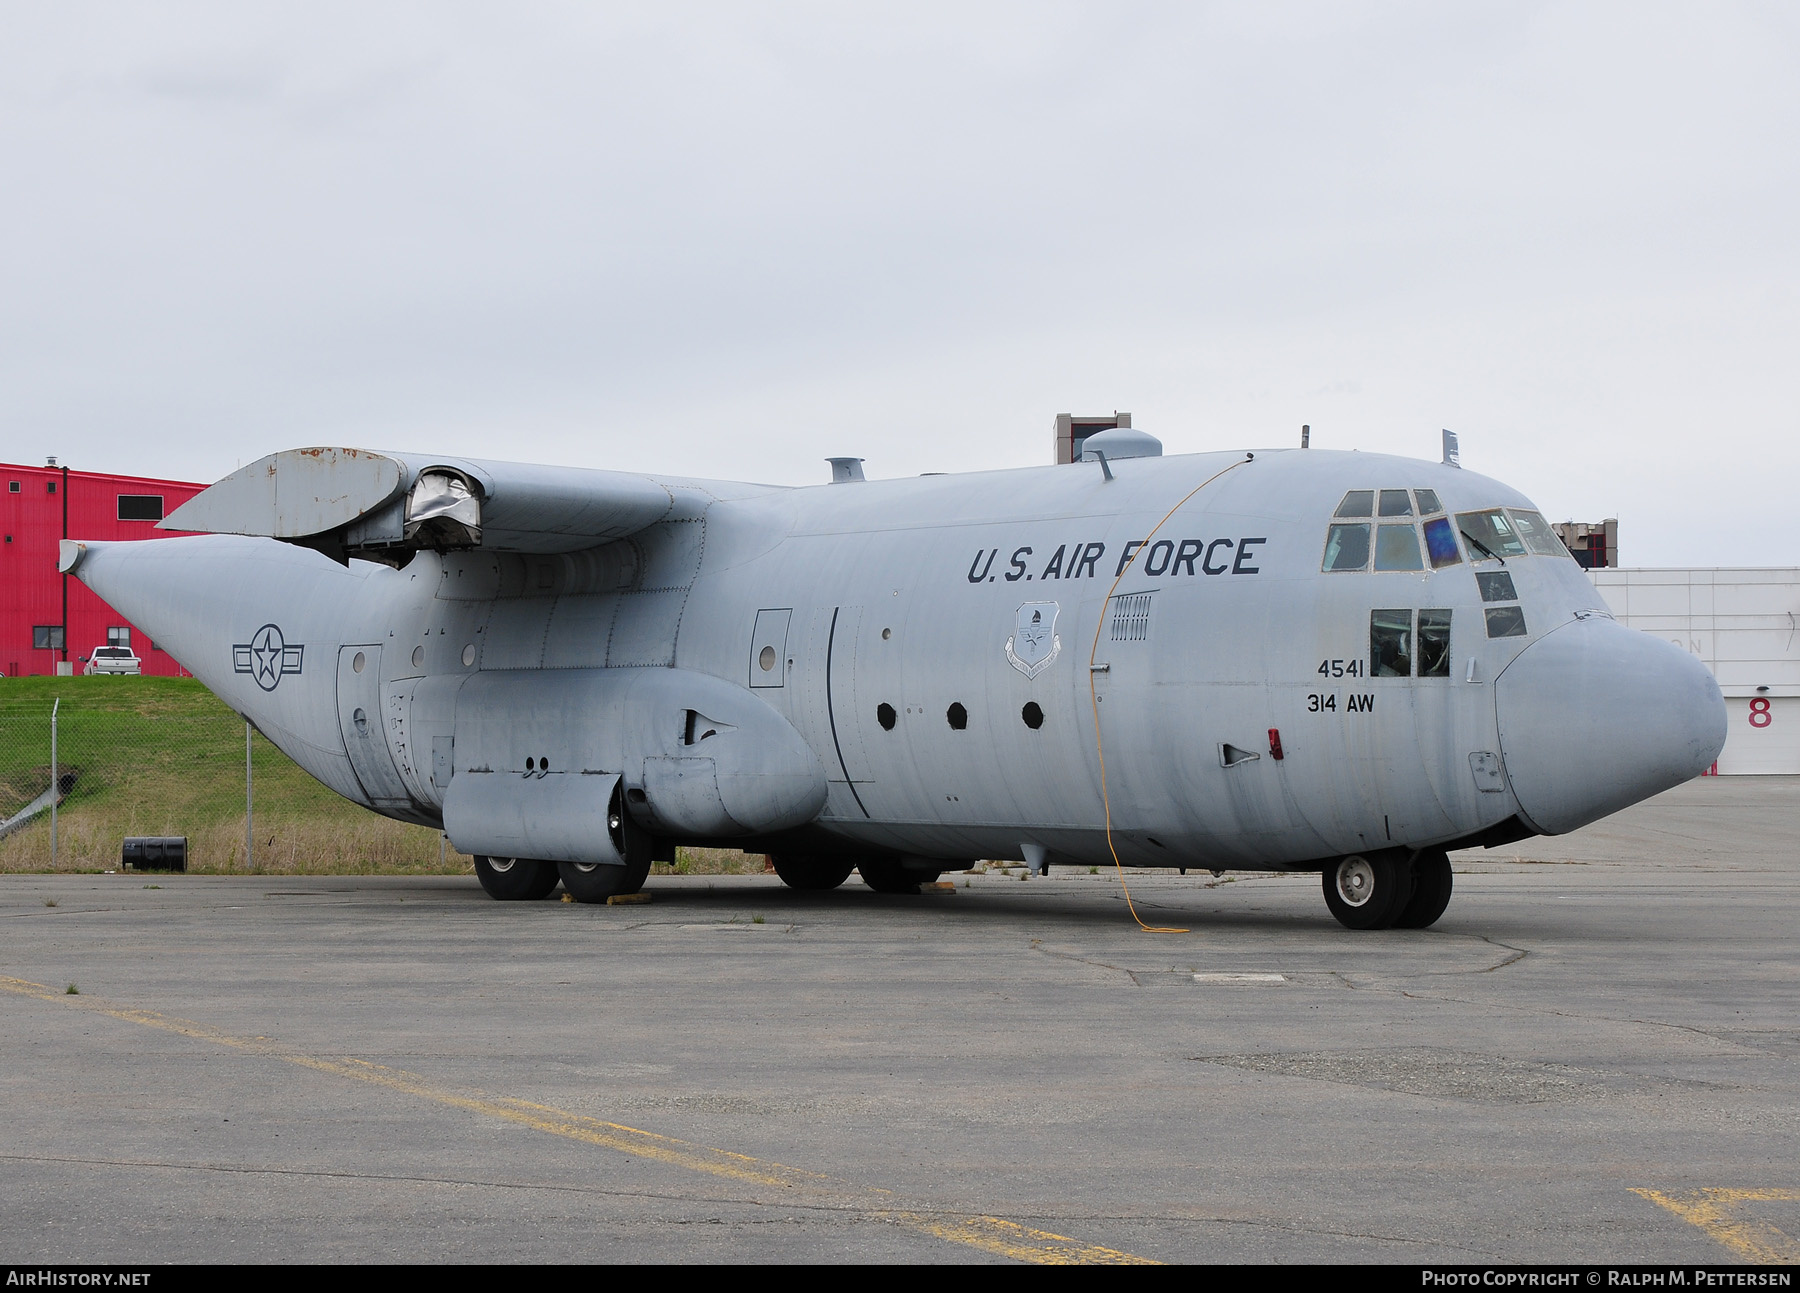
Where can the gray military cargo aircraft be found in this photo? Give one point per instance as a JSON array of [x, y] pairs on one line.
[[1283, 660]]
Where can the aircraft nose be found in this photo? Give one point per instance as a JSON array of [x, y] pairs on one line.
[[1595, 716]]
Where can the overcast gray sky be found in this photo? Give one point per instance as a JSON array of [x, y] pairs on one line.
[[729, 240]]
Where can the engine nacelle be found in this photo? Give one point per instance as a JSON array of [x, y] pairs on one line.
[[538, 756]]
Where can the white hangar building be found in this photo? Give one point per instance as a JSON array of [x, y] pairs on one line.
[[1742, 623]]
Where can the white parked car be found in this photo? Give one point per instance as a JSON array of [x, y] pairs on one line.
[[113, 660]]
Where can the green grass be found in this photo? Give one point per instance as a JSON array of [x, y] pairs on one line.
[[164, 756]]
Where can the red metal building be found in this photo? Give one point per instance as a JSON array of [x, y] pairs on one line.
[[47, 618]]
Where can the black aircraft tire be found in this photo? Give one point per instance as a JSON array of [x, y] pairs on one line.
[[888, 876], [1431, 891], [515, 879], [598, 881], [1368, 891], [799, 871]]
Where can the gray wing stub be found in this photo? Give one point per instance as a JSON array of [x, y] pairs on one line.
[[386, 506]]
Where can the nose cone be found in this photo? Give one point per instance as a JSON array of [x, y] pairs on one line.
[[1596, 716]]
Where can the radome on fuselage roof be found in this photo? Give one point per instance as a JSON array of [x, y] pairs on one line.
[[1347, 663]]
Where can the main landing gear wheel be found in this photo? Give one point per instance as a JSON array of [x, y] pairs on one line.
[[1368, 891], [1431, 891], [515, 879], [800, 872], [598, 881], [887, 876]]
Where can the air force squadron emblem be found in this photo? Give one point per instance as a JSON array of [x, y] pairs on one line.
[[1034, 643], [266, 657]]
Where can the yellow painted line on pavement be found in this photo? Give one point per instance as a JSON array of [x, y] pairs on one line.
[[989, 1234], [1715, 1212], [1022, 1244]]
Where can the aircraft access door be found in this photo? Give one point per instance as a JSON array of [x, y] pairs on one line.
[[829, 712], [360, 719]]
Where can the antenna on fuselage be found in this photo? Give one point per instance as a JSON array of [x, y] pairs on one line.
[[1306, 436], [1451, 456]]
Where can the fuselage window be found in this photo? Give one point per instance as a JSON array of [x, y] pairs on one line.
[[1358, 502], [1490, 533], [1397, 548], [1347, 548], [1428, 502], [1496, 586], [1538, 534], [1440, 542], [1434, 644], [1390, 643], [1394, 502], [1505, 622]]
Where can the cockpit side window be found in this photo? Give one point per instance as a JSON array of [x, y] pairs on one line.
[[1390, 644], [1490, 534], [1394, 502], [1440, 542], [1358, 502], [1347, 547], [1537, 533], [1434, 644]]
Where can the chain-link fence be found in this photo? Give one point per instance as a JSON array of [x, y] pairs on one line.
[[164, 757]]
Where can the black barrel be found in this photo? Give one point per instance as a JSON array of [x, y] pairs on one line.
[[155, 853]]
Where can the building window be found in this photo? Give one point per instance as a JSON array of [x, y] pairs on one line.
[[140, 507], [120, 637], [47, 637], [12, 486], [52, 487]]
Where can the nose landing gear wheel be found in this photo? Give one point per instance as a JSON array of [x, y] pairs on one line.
[[814, 873], [515, 879], [1368, 891], [1431, 891]]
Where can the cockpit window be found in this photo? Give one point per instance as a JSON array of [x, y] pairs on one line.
[[1496, 586], [1358, 502], [1434, 644], [1428, 501], [1390, 644], [1397, 547], [1505, 622], [1537, 533], [1440, 542], [1347, 546], [1490, 534], [1394, 502]]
